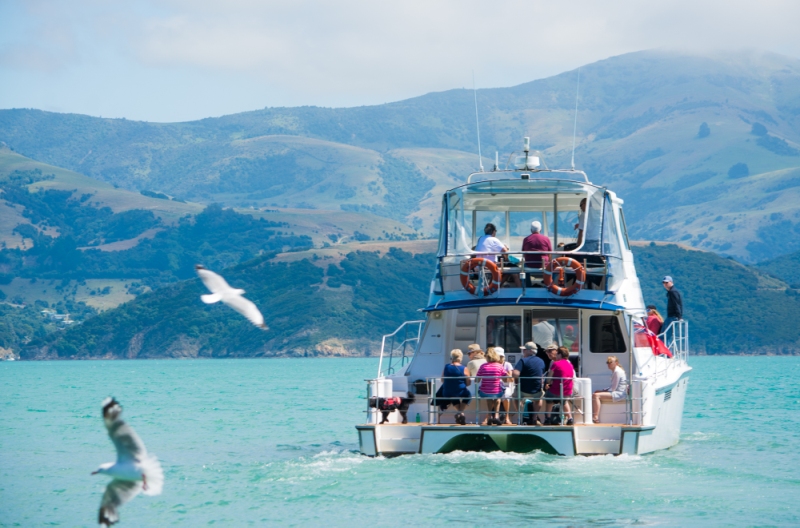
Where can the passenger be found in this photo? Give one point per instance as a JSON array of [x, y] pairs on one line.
[[476, 359], [454, 385], [654, 320], [491, 244], [544, 333], [570, 339], [490, 387], [561, 375], [508, 385], [674, 305], [581, 219], [548, 356], [536, 242], [618, 390], [528, 372]]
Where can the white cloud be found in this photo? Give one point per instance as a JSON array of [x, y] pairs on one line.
[[209, 57]]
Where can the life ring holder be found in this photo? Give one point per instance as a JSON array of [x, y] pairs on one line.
[[478, 265], [558, 265]]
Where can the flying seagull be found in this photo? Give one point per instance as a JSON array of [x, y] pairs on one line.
[[221, 291], [134, 472]]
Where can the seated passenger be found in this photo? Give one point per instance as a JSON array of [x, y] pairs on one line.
[[490, 387], [536, 242], [528, 372], [507, 384], [454, 386], [476, 359], [618, 390], [654, 319], [489, 244], [560, 376]]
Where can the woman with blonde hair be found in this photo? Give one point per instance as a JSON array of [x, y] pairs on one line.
[[616, 392], [454, 386], [654, 320], [490, 387]]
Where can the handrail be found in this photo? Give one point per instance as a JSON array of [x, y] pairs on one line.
[[676, 337], [401, 345]]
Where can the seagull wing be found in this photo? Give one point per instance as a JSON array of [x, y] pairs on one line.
[[246, 308], [129, 445], [118, 492], [213, 282]]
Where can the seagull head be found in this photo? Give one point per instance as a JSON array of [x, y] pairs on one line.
[[199, 267], [103, 468]]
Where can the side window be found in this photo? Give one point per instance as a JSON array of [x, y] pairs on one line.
[[624, 230], [504, 331], [605, 335]]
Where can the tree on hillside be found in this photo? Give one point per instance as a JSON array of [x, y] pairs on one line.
[[739, 170], [704, 130]]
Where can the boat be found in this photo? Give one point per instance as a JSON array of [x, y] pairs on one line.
[[587, 293]]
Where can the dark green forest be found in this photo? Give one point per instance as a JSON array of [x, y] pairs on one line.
[[366, 295]]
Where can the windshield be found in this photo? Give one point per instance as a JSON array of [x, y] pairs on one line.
[[568, 212]]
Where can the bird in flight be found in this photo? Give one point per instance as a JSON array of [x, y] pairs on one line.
[[221, 291], [135, 471]]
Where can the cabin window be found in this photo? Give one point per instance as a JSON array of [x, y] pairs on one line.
[[624, 230], [605, 335], [547, 327], [504, 331]]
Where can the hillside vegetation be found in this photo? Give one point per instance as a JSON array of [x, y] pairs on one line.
[[320, 306], [705, 149]]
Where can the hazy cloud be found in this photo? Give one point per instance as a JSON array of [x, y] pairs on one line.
[[180, 59]]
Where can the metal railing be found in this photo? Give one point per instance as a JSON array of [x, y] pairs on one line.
[[517, 412], [520, 274], [676, 337], [402, 346]]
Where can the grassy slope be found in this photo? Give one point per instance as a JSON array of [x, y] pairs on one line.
[[329, 305], [638, 126]]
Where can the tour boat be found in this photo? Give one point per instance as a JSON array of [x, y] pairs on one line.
[[586, 297]]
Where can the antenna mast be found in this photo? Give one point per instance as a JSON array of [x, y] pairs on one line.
[[477, 121], [575, 125]]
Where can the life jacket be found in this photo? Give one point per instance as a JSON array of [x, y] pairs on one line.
[[390, 404]]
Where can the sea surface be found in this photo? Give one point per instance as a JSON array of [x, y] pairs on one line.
[[252, 442]]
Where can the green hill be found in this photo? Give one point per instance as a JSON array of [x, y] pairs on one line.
[[704, 148], [322, 305]]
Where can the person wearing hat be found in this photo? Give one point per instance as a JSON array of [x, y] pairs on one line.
[[476, 359], [528, 372], [674, 304], [508, 385]]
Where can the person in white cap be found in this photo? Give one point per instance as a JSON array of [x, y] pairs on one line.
[[508, 385], [536, 241]]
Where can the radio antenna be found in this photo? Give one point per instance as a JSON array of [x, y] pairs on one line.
[[575, 125], [477, 121]]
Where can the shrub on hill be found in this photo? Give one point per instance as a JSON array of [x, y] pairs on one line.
[[367, 296], [738, 170], [704, 131]]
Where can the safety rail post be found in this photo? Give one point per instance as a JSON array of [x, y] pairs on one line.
[[406, 340]]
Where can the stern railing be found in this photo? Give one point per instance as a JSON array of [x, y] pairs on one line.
[[403, 344]]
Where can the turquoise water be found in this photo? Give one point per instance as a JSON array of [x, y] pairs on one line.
[[249, 442]]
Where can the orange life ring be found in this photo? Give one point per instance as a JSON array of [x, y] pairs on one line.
[[556, 287], [476, 265]]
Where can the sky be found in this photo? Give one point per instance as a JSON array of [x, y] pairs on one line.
[[180, 60]]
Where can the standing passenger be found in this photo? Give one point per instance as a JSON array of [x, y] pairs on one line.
[[581, 220], [674, 306]]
